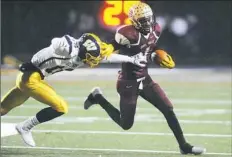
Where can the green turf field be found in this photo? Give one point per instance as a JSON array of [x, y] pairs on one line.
[[202, 100]]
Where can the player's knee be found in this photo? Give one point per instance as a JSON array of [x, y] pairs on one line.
[[63, 108], [3, 111], [127, 125]]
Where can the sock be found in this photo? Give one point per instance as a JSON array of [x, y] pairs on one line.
[[44, 115], [30, 123], [47, 114], [113, 112], [175, 127]]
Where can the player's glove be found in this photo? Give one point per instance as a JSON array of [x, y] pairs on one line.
[[139, 60], [168, 62]]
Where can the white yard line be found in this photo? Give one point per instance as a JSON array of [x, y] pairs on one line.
[[8, 129], [130, 133], [121, 133], [179, 111], [108, 150], [140, 118], [175, 101], [78, 107]]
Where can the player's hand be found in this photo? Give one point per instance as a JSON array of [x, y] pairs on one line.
[[167, 63], [140, 60]]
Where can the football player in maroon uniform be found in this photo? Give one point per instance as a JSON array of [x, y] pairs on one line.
[[140, 39]]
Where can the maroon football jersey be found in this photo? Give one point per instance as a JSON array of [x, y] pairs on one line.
[[132, 42]]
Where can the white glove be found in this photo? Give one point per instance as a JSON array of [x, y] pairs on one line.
[[139, 60]]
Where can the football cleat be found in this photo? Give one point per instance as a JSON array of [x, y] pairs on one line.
[[188, 149], [25, 134], [91, 100]]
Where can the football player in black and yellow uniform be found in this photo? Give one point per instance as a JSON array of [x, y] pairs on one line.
[[65, 53]]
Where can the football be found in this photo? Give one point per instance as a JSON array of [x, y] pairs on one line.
[[163, 59], [160, 55]]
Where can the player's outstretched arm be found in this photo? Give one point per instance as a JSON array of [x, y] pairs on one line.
[[118, 58], [112, 57]]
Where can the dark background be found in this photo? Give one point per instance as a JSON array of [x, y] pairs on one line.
[[28, 26]]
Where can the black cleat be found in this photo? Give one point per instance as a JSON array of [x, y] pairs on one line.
[[91, 100], [188, 149]]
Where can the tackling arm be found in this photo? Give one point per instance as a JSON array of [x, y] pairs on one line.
[[113, 57]]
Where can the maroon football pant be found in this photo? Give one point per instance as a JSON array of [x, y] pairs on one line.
[[129, 92], [152, 92]]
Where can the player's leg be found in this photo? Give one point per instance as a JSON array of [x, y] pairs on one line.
[[153, 93], [128, 99], [32, 84], [96, 97], [15, 97], [128, 91]]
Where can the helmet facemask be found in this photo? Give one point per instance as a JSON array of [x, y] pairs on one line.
[[91, 60], [145, 24]]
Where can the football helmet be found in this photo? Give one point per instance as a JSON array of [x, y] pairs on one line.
[[141, 17], [93, 50]]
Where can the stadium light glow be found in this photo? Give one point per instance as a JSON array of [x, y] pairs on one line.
[[179, 26]]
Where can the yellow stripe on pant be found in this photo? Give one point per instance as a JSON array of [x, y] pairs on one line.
[[30, 84]]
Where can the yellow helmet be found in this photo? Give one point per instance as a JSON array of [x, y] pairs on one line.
[[141, 16], [93, 50]]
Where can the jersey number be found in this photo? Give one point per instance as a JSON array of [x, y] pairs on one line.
[[90, 45], [54, 69], [115, 12]]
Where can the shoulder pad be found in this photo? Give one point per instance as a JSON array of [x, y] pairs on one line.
[[127, 34]]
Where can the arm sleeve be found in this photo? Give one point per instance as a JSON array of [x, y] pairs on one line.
[[117, 58]]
